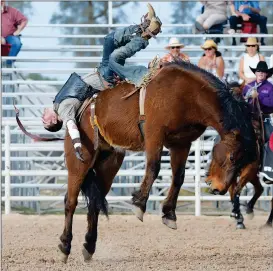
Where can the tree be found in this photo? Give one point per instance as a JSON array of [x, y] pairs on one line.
[[88, 12], [24, 7], [183, 14]]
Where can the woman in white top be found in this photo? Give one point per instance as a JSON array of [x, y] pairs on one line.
[[249, 59], [212, 60]]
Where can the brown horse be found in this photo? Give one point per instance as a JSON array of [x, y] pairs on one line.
[[181, 101]]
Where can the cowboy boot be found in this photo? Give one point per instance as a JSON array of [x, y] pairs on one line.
[[147, 18], [153, 29]]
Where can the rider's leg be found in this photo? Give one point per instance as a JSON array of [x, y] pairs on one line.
[[131, 73]]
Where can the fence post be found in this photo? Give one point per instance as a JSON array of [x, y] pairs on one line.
[[7, 169], [110, 12], [197, 178]]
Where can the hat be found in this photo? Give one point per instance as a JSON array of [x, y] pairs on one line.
[[209, 44], [252, 41], [262, 66], [174, 42]]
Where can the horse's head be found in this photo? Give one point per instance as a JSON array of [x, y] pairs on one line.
[[226, 160]]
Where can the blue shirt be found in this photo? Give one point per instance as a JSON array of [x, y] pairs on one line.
[[253, 4], [265, 91]]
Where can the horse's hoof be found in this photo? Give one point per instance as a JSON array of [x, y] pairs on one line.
[[250, 216], [240, 226], [232, 215], [86, 255], [63, 256], [169, 223], [139, 213]]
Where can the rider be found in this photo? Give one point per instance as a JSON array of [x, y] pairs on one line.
[[118, 46]]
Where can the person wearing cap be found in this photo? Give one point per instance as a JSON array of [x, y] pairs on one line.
[[212, 60], [260, 88], [250, 58], [175, 53], [214, 13]]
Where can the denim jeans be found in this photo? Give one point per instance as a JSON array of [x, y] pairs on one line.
[[133, 73], [16, 45], [118, 46]]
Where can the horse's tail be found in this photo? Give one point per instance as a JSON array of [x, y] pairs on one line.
[[94, 194]]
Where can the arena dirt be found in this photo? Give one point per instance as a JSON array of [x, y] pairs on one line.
[[124, 243]]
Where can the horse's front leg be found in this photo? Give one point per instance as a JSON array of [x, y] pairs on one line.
[[235, 190], [178, 161], [140, 197]]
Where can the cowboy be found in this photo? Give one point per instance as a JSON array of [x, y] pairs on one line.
[[118, 46], [175, 53], [261, 88]]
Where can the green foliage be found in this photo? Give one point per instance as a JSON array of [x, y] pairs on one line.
[[183, 14], [24, 6]]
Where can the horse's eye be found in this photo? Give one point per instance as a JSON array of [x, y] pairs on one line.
[[231, 158]]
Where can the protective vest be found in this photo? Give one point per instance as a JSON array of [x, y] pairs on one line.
[[74, 87]]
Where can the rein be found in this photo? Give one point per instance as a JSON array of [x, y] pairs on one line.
[[34, 137]]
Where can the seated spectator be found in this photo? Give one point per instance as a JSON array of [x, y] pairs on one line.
[[13, 22], [214, 13], [212, 60], [250, 59], [248, 11], [175, 53]]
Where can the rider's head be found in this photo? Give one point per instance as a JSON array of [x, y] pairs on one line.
[[51, 121]]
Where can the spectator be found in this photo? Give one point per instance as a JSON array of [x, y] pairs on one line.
[[214, 13], [13, 22], [212, 60], [250, 59], [174, 48], [247, 11]]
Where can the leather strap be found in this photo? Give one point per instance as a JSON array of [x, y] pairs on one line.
[[34, 137]]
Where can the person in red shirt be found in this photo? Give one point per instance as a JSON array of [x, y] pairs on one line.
[[13, 22]]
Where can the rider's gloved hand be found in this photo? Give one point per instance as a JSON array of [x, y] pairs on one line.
[[79, 154]]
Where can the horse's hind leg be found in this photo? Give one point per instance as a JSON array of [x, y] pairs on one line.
[[258, 191], [76, 173], [270, 218], [178, 161], [106, 169], [153, 153]]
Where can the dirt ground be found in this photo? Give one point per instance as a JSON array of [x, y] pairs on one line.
[[124, 243]]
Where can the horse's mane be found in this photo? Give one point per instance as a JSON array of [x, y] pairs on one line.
[[236, 112]]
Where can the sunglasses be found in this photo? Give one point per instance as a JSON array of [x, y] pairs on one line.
[[208, 49], [251, 45], [176, 47]]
